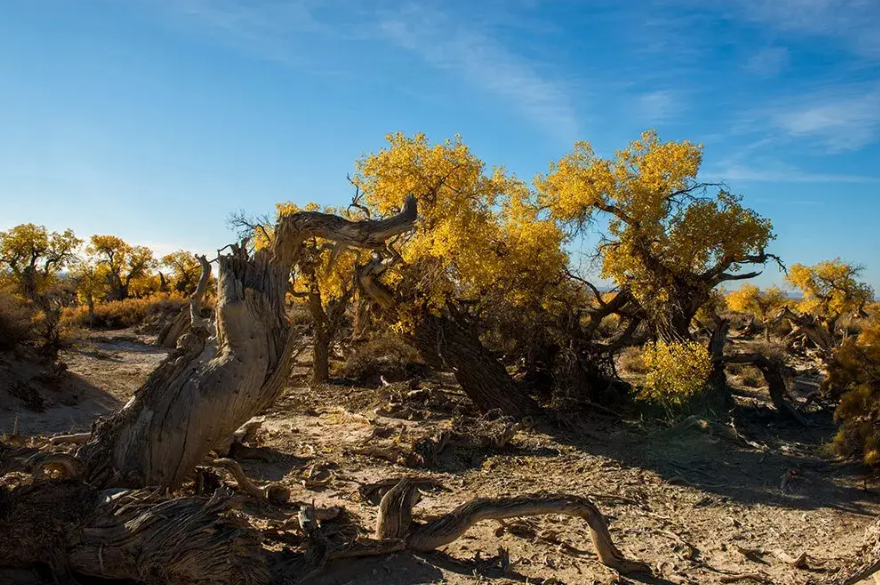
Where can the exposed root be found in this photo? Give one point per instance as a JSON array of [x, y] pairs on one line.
[[395, 518], [74, 439], [72, 466], [132, 535], [373, 492], [424, 452], [272, 492]]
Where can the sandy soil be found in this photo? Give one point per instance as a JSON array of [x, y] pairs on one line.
[[697, 507]]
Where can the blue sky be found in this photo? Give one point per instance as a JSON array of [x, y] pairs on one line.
[[153, 119]]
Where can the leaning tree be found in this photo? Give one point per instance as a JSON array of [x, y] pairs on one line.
[[218, 380]]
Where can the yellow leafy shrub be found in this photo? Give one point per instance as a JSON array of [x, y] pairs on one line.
[[675, 371], [856, 368]]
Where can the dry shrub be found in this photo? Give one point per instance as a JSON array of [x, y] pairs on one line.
[[751, 377], [300, 316], [738, 320], [856, 371], [736, 369], [122, 314], [16, 322], [385, 356], [632, 360]]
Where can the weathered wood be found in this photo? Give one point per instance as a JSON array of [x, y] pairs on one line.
[[128, 534], [213, 383]]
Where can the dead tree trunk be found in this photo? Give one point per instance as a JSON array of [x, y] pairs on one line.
[[320, 345], [183, 321], [213, 383], [718, 393]]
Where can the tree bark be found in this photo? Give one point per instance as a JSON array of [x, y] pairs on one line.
[[444, 343], [320, 340], [718, 392], [213, 383], [74, 528]]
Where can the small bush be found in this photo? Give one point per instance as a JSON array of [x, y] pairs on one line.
[[16, 322], [385, 355], [300, 316], [676, 371], [632, 360], [751, 377], [122, 314], [856, 370]]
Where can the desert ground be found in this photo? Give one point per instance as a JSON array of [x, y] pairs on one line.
[[759, 504]]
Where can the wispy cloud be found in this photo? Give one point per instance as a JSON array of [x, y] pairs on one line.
[[658, 106], [768, 62], [462, 44], [779, 174], [842, 119], [853, 23], [446, 43]]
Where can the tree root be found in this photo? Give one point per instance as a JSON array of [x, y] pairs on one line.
[[272, 492], [128, 534], [73, 439], [395, 519]]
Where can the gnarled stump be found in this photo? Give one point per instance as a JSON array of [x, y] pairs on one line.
[[72, 527], [211, 385]]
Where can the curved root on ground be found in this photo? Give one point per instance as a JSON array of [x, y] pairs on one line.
[[395, 521], [272, 492]]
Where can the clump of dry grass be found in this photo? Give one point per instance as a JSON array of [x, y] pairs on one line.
[[122, 314], [383, 356], [632, 361], [16, 322]]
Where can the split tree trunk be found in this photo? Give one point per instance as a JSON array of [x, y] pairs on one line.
[[212, 384]]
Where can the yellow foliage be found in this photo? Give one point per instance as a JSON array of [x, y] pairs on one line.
[[663, 234], [121, 314], [478, 234], [32, 257], [125, 268], [185, 271], [763, 304], [675, 371], [830, 288], [856, 368]]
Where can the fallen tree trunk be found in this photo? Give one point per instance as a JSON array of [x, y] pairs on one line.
[[213, 383]]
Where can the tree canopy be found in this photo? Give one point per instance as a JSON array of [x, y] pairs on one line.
[[669, 242]]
